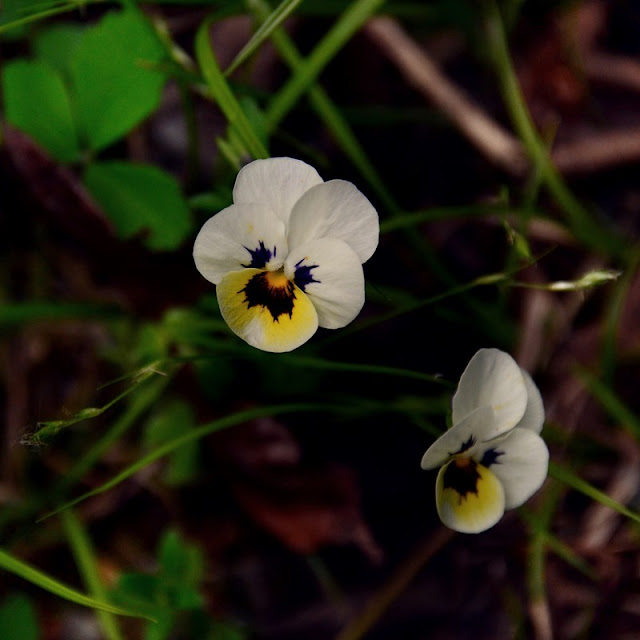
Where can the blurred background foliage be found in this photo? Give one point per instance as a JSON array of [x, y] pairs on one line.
[[162, 479]]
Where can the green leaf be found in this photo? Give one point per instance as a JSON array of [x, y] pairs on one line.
[[115, 75], [176, 418], [223, 631], [18, 620], [27, 572], [181, 562], [141, 198], [37, 102], [57, 44]]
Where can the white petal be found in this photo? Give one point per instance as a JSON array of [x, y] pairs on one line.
[[492, 378], [277, 182], [469, 511], [335, 209], [520, 461], [330, 273], [533, 417], [226, 240], [463, 437]]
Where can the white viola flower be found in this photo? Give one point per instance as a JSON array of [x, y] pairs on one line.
[[286, 257], [493, 457]]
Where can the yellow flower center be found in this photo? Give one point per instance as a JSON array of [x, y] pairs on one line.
[[276, 279]]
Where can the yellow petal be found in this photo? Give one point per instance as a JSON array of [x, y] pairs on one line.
[[266, 310], [469, 497]]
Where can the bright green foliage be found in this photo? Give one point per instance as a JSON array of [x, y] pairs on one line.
[[141, 198], [110, 83], [176, 419], [116, 77], [37, 102], [57, 46], [18, 620], [86, 89], [172, 595]]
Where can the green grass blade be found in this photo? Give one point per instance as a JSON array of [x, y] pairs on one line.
[[19, 313], [200, 432], [271, 23], [31, 574], [575, 482], [309, 362], [578, 218], [63, 7], [305, 75], [329, 113], [85, 560], [223, 95], [611, 403]]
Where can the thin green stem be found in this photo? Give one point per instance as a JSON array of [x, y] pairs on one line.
[[614, 308], [490, 279], [327, 110], [85, 560], [335, 595], [611, 403], [47, 13], [349, 22], [138, 406], [195, 434], [578, 218]]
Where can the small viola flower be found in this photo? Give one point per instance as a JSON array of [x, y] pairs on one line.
[[492, 458], [286, 257]]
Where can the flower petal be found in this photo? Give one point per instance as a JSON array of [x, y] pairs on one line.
[[330, 273], [492, 378], [520, 461], [469, 498], [335, 209], [533, 417], [461, 438], [266, 310], [277, 182], [230, 240]]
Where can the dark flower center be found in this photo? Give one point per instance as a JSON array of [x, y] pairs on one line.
[[462, 476], [271, 290]]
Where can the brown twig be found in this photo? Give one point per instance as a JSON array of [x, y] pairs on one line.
[[383, 599], [598, 151], [496, 143]]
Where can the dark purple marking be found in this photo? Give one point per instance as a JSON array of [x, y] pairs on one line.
[[260, 256], [490, 457], [463, 479], [303, 275], [465, 446]]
